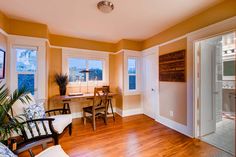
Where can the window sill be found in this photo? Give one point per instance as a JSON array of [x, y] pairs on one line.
[[90, 84], [135, 92]]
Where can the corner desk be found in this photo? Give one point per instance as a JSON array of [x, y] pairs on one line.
[[67, 99]]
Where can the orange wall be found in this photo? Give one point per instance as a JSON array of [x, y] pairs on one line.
[[55, 66], [4, 22], [212, 15], [80, 43], [116, 77], [3, 42], [24, 28], [217, 13]]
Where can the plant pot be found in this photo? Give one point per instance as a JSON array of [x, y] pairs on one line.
[[63, 90]]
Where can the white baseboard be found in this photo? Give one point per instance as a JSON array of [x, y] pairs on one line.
[[183, 129], [80, 114], [122, 113], [129, 112], [77, 115], [119, 111]]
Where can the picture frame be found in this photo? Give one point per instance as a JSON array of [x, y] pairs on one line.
[[2, 64]]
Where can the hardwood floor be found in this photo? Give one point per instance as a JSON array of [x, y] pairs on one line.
[[134, 136]]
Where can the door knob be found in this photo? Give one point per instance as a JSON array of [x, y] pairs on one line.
[[153, 89]]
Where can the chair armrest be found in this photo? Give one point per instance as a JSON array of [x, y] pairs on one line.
[[57, 111]]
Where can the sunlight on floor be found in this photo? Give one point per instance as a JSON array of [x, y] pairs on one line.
[[224, 136]]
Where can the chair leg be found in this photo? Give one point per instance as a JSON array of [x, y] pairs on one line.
[[84, 117], [94, 122], [44, 146], [70, 129], [112, 110], [56, 140], [31, 153], [105, 117]]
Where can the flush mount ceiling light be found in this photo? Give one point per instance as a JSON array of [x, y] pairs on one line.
[[105, 6]]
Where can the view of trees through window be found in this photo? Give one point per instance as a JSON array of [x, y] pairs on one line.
[[76, 65], [26, 67], [132, 73]]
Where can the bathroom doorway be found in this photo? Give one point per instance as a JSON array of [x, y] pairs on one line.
[[215, 90]]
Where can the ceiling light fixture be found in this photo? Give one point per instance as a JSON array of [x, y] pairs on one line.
[[105, 6]]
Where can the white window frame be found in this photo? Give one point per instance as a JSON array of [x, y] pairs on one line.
[[68, 53], [136, 60], [35, 73], [41, 77], [129, 54]]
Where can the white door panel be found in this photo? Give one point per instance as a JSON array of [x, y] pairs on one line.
[[150, 85], [210, 85]]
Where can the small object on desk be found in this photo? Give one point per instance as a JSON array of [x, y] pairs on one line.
[[75, 94]]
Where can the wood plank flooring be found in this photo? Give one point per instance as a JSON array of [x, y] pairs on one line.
[[134, 136]]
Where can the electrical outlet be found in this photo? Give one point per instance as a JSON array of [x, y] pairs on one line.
[[171, 113]]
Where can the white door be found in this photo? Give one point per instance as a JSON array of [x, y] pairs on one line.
[[210, 85], [150, 86]]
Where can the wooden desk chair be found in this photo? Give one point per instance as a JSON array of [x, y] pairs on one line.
[[99, 108], [110, 102]]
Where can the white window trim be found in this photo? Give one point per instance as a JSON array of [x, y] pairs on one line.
[[41, 79], [88, 55], [136, 69], [136, 55]]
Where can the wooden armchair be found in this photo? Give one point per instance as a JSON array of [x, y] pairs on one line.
[[56, 122], [99, 108], [39, 132]]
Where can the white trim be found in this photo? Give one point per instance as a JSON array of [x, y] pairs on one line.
[[3, 32], [77, 115], [137, 55], [115, 53], [173, 40], [86, 54], [27, 38], [151, 51], [119, 111], [213, 30], [175, 126], [129, 112], [80, 114], [15, 40]]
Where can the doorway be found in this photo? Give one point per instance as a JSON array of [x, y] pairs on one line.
[[215, 91], [150, 100]]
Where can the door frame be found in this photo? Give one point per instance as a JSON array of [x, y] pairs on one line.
[[145, 53], [220, 28]]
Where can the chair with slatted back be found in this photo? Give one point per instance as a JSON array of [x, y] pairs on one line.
[[99, 108], [36, 132], [56, 121], [110, 102]]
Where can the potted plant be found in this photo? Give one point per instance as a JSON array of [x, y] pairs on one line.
[[62, 81], [7, 121]]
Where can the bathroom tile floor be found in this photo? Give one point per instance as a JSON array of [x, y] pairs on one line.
[[224, 136]]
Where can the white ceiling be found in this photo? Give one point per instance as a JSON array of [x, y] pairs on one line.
[[131, 19]]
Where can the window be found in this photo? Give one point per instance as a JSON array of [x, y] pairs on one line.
[[76, 65], [132, 73], [95, 68], [26, 68]]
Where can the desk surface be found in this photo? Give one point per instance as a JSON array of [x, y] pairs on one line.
[[90, 95]]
